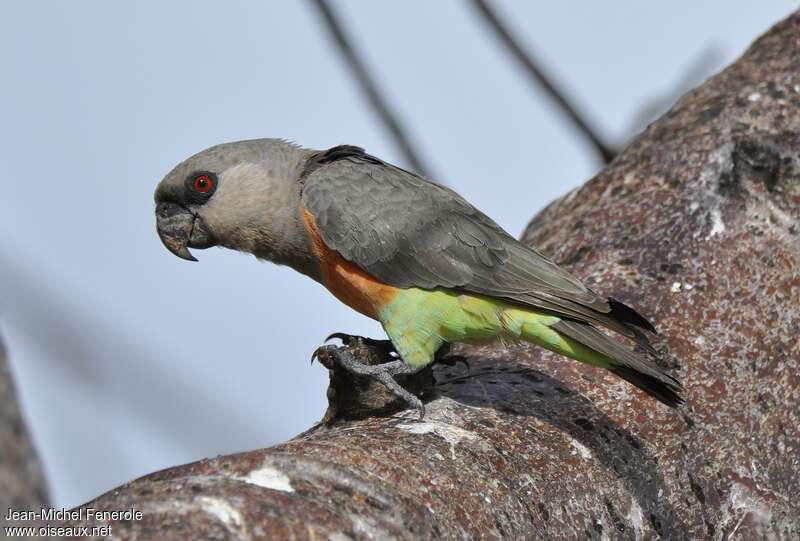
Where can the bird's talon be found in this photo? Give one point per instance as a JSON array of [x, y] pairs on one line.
[[453, 359], [322, 354], [345, 338], [385, 346], [421, 409]]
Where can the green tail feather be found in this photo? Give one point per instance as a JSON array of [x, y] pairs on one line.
[[634, 368], [585, 343], [419, 321]]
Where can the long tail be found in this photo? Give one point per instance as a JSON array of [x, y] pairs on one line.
[[625, 363], [583, 342]]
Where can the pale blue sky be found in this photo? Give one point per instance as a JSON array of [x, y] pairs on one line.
[[128, 359]]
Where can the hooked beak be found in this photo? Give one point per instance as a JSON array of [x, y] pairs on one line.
[[180, 229]]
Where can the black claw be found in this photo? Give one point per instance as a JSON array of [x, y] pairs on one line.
[[443, 356], [453, 359], [315, 355], [442, 352], [345, 338], [318, 357], [385, 346], [382, 344]]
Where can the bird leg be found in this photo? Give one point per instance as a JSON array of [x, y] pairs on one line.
[[443, 356], [384, 346], [384, 372]]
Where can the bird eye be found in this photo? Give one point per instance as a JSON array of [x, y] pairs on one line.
[[203, 183]]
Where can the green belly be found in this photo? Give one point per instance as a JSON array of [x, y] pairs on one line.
[[419, 321]]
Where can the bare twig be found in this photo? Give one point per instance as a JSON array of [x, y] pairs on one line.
[[370, 88], [526, 59]]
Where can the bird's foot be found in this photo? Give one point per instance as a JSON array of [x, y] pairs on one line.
[[443, 357], [384, 346], [332, 356]]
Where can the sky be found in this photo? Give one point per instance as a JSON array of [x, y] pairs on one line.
[[127, 359]]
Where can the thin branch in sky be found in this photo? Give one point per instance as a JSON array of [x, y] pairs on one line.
[[710, 61], [370, 88], [528, 62]]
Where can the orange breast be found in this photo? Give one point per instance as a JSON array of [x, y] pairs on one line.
[[349, 283]]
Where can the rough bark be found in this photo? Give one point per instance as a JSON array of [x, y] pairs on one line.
[[696, 223], [22, 485]]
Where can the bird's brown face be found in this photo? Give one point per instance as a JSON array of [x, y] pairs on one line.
[[179, 222]]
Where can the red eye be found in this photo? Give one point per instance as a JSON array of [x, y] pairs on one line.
[[203, 183]]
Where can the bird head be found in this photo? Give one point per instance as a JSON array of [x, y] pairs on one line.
[[232, 195]]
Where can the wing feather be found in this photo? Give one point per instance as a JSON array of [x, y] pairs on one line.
[[409, 232]]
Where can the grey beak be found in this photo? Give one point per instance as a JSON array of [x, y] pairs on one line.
[[175, 224]]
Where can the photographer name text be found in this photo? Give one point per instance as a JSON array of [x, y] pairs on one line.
[[46, 514]]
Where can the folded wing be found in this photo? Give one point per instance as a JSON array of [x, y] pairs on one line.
[[409, 232]]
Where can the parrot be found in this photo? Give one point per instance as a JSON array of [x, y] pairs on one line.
[[412, 254]]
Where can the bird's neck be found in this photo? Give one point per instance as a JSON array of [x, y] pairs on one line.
[[283, 239]]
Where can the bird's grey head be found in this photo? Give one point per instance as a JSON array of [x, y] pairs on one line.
[[236, 195]]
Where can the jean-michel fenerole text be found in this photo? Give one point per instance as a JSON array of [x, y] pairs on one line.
[[46, 514]]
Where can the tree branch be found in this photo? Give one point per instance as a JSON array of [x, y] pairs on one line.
[[696, 223], [531, 66], [369, 87], [21, 479]]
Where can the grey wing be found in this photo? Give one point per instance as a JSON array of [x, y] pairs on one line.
[[409, 232]]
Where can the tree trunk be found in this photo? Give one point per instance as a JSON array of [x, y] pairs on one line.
[[22, 486], [696, 224]]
